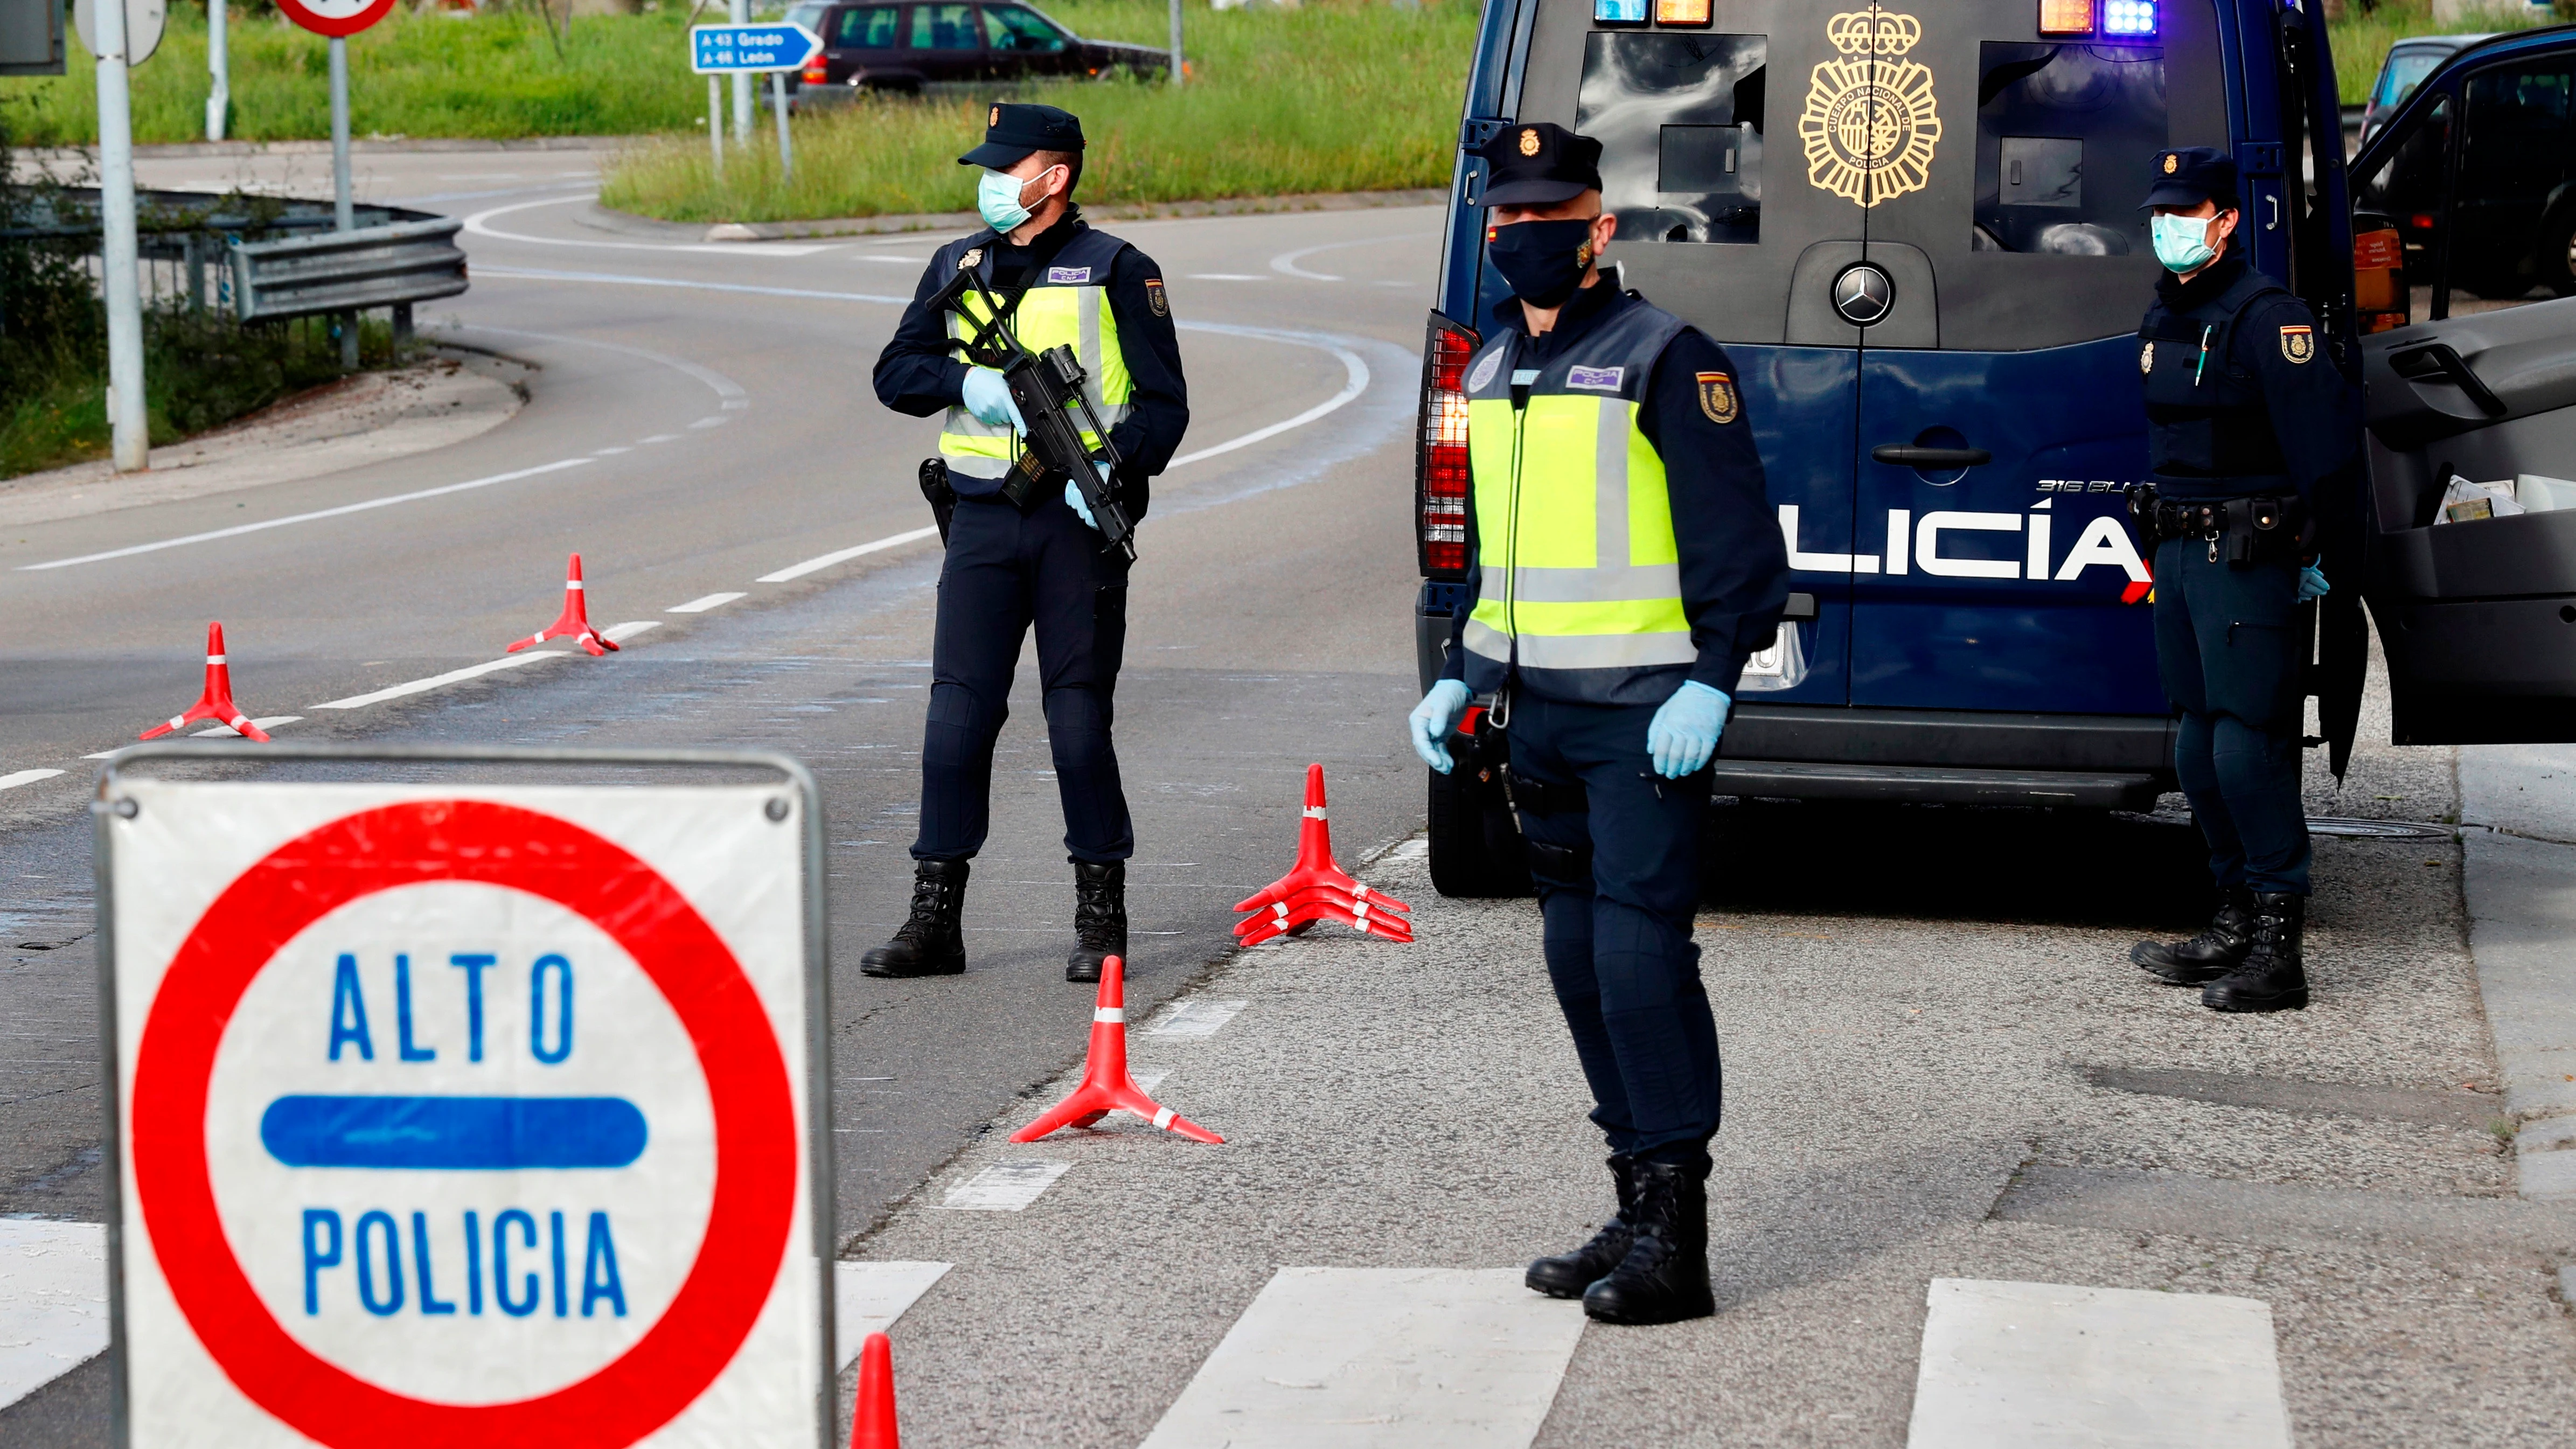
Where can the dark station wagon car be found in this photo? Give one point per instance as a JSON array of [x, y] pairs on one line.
[[907, 46]]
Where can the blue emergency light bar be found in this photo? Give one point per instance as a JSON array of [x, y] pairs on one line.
[[2136, 18], [1619, 12]]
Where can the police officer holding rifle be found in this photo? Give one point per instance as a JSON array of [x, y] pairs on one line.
[[1051, 349], [1624, 564], [2254, 432]]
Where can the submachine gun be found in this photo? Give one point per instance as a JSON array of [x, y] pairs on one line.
[[1047, 388]]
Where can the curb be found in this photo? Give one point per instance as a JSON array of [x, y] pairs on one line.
[[374, 146], [609, 219]]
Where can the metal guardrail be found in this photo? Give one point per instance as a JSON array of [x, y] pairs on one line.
[[348, 271]]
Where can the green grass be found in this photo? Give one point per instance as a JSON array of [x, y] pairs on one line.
[[413, 75], [1337, 96], [2361, 39]]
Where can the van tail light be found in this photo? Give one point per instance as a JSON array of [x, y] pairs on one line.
[[1440, 450], [2378, 278], [2066, 17], [817, 72]]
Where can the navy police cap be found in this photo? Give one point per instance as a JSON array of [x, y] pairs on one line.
[[2191, 175], [1012, 131], [1538, 165]]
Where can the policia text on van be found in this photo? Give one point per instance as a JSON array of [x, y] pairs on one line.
[[1917, 232]]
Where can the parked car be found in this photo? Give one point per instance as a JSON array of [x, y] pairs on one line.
[[2408, 62], [903, 47], [2509, 219]]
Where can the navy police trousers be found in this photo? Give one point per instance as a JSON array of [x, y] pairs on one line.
[[2228, 649], [1006, 570], [1618, 937]]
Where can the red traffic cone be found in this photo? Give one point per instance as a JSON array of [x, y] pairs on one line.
[[573, 623], [872, 1415], [1318, 889], [217, 702], [1106, 1086]]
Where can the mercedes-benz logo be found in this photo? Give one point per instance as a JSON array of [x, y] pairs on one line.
[[1863, 294]]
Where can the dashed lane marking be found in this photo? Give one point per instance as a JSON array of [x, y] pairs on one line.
[[2026, 1365], [1380, 1358], [1226, 277], [320, 513], [704, 602], [1195, 1018], [660, 438], [620, 633], [440, 681], [53, 1301], [16, 778], [869, 1297], [1005, 1187], [812, 565], [227, 732]]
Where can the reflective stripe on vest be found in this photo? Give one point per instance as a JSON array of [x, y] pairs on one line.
[[1574, 524], [1052, 314]]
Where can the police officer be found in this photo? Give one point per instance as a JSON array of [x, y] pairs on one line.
[[1624, 563], [2253, 432], [1060, 283]]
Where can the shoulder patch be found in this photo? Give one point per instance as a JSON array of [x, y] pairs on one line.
[[1154, 297], [1068, 276], [2298, 343], [1717, 398], [1484, 371], [1601, 379], [2147, 357]]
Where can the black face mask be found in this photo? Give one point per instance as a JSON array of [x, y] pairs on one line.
[[1544, 261]]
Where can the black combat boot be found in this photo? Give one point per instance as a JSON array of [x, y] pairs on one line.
[[2205, 957], [930, 942], [2274, 976], [1664, 1278], [1099, 918], [1567, 1274]]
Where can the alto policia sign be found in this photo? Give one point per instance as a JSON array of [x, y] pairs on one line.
[[468, 1115]]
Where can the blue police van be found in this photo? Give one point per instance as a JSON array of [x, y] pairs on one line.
[[1915, 227]]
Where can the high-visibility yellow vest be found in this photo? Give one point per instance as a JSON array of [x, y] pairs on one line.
[[1067, 303], [1579, 591]]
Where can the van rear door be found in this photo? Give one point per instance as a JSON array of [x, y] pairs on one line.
[[2001, 280], [2474, 588]]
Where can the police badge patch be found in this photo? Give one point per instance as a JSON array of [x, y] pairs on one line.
[[1529, 141], [993, 117], [2147, 358], [1717, 398], [970, 258], [2298, 343], [1154, 297]]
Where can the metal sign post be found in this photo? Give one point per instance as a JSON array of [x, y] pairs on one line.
[[743, 51], [119, 280], [219, 99], [1176, 42], [778, 104], [465, 1097], [338, 20], [715, 123], [741, 84]]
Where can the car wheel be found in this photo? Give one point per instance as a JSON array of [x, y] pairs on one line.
[[1475, 853]]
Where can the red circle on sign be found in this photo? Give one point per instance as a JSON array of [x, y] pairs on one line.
[[339, 27], [479, 842]]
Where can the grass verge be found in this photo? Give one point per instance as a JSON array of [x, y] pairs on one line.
[[2361, 39], [1338, 96]]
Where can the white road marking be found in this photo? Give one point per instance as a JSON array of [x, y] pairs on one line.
[[476, 225], [16, 778], [1380, 1358], [1227, 277], [1150, 1078], [614, 280], [713, 422], [609, 452], [869, 1297], [1286, 262], [811, 565], [724, 387], [319, 513], [620, 633], [660, 438], [883, 257], [1005, 1187], [2026, 1365], [53, 1301], [1195, 1018], [704, 602], [440, 681], [227, 732]]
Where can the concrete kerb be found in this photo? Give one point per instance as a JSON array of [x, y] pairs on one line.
[[629, 224], [2520, 884]]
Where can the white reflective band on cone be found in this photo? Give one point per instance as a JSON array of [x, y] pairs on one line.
[[178, 721], [1314, 812], [572, 586], [214, 659], [1117, 1014], [1164, 1117]]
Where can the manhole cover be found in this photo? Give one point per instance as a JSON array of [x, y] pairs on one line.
[[2380, 829]]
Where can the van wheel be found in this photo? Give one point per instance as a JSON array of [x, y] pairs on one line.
[[1475, 854]]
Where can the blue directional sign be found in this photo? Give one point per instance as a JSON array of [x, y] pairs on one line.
[[726, 49]]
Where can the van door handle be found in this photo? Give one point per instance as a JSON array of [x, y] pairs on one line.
[[2436, 362], [1906, 455]]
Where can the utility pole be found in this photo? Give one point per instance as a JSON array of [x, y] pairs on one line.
[[742, 84], [219, 100], [128, 424]]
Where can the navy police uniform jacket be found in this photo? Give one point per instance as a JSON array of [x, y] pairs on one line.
[[2243, 396]]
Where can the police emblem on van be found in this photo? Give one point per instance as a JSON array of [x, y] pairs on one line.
[[2298, 343], [1870, 123], [2147, 358], [1604, 379], [1068, 276], [1717, 397]]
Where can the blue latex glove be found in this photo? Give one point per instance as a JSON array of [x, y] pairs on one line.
[[2312, 582], [1433, 719], [1684, 732], [989, 399], [1073, 496]]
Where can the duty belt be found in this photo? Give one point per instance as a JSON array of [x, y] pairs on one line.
[[2255, 529]]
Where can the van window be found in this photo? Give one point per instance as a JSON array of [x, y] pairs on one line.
[[2517, 152], [2066, 140], [869, 29], [1679, 119]]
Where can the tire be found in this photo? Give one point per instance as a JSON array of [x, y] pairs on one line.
[[1475, 854]]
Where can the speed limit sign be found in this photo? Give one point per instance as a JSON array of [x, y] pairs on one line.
[[464, 1114], [335, 18]]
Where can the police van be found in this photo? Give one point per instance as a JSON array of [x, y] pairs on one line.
[[1915, 228]]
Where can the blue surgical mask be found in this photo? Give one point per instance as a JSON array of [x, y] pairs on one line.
[[2181, 242], [998, 197]]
